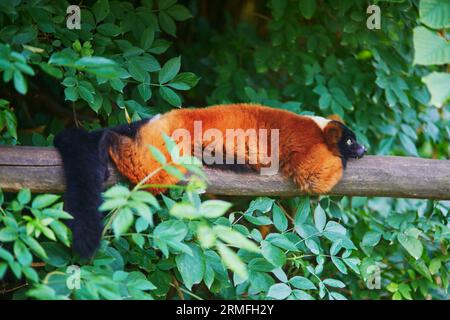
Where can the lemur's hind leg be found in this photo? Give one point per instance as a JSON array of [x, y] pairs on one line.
[[135, 161], [316, 172]]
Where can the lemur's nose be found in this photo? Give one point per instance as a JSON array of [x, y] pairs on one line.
[[361, 151]]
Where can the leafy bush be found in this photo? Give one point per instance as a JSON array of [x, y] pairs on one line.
[[307, 56]]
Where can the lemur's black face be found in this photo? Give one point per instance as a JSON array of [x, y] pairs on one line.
[[348, 146]]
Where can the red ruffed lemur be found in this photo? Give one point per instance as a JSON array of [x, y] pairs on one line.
[[313, 151]]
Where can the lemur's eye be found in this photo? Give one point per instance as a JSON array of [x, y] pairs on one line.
[[349, 142]]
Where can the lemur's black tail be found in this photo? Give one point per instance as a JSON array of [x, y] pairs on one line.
[[85, 159]]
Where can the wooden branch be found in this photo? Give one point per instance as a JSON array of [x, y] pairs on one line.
[[40, 169]]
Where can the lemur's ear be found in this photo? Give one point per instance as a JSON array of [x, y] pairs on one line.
[[335, 117], [332, 133]]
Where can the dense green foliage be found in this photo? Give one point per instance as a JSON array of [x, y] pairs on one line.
[[308, 56]]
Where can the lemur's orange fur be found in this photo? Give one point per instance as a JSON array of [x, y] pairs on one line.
[[308, 154]]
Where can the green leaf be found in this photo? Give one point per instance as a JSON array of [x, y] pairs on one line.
[[100, 10], [113, 204], [138, 239], [337, 296], [147, 197], [95, 62], [158, 155], [232, 260], [11, 123], [109, 29], [44, 200], [58, 256], [353, 264], [117, 191], [435, 265], [20, 83], [117, 84], [62, 58], [3, 268], [235, 238], [148, 36], [51, 70], [279, 291], [320, 218], [302, 295], [147, 62], [279, 218], [69, 82], [313, 246], [184, 211], [261, 204], [136, 70], [179, 12], [56, 213], [392, 287], [335, 247], [142, 210], [145, 91], [141, 224], [303, 211], [429, 47], [411, 244], [409, 131], [178, 86], [339, 98], [24, 196], [169, 70], [214, 208], [171, 233], [138, 280], [421, 267], [302, 283], [405, 290], [123, 221], [191, 267], [35, 247], [8, 234], [42, 292], [5, 255], [71, 93], [167, 24], [274, 255], [278, 8], [438, 84], [189, 79], [334, 283], [160, 46], [170, 96], [281, 241], [86, 94], [307, 8], [408, 144], [260, 281], [435, 13], [164, 4], [339, 264], [22, 253], [97, 103], [371, 238], [206, 236]]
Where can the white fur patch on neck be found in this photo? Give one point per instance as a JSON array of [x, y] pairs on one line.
[[320, 121], [154, 118]]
